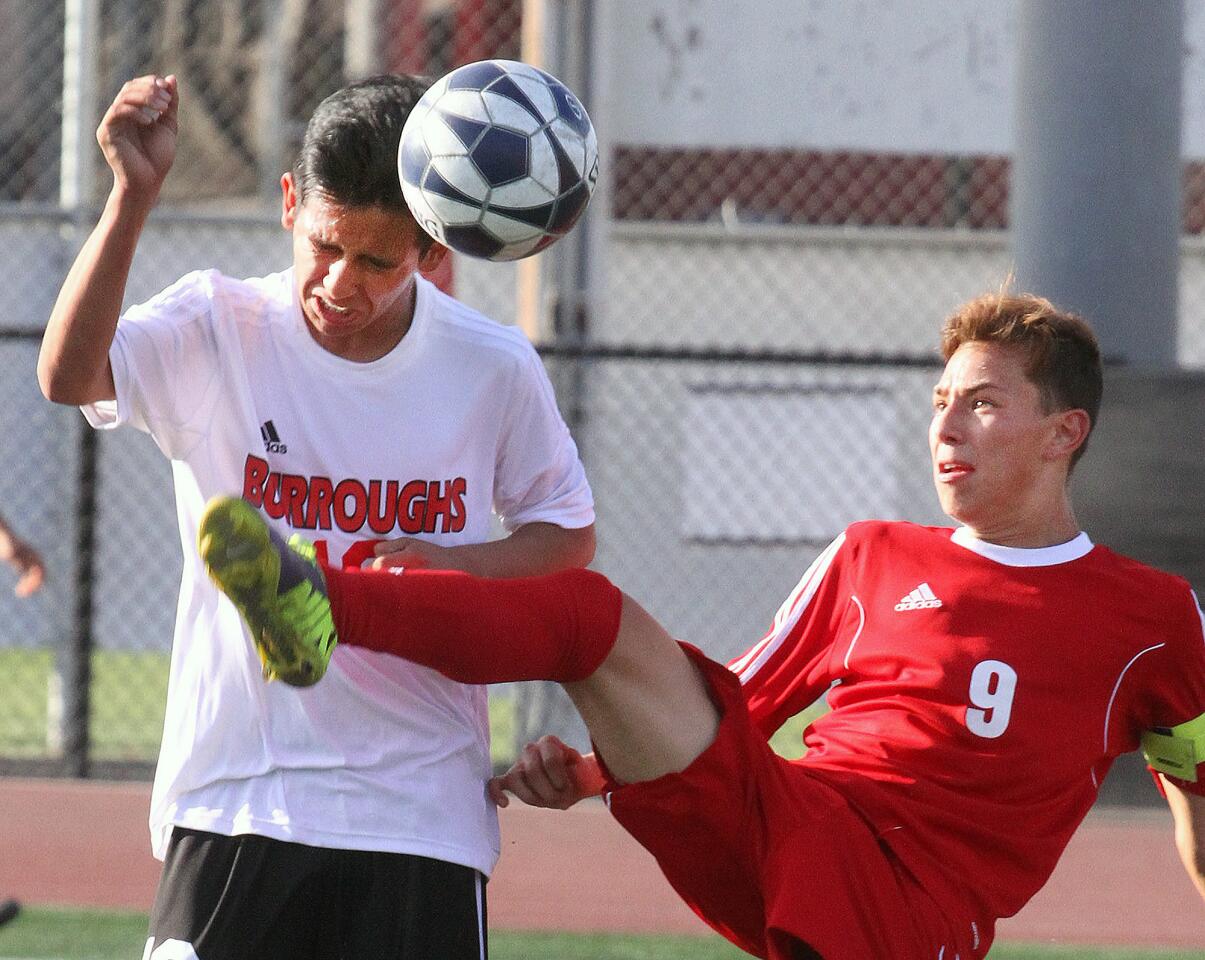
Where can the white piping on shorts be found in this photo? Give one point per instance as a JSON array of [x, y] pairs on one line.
[[480, 914], [974, 945]]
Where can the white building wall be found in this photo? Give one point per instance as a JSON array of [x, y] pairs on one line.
[[916, 76]]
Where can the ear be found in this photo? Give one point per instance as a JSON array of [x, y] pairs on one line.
[[288, 201], [1069, 432], [431, 260]]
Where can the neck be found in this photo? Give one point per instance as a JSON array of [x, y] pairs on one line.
[[1029, 532]]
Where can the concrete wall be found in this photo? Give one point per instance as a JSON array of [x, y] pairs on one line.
[[879, 75]]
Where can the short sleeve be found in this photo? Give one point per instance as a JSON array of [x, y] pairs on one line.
[[539, 477], [165, 361]]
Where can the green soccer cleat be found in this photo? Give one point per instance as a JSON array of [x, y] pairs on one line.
[[276, 586]]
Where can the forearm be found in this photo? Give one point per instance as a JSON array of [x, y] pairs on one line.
[[1188, 814], [532, 550], [73, 365]]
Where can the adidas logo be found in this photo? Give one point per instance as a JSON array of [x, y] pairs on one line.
[[272, 442], [922, 598]]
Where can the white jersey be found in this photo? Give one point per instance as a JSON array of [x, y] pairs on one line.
[[458, 420]]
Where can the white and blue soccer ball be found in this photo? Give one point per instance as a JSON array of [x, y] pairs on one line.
[[498, 160]]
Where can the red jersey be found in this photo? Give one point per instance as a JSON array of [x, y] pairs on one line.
[[979, 694]]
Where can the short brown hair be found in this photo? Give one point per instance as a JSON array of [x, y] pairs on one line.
[[1063, 357]]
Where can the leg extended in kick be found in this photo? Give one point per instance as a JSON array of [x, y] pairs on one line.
[[645, 704], [647, 707]]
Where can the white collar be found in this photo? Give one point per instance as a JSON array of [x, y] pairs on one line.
[[1078, 546]]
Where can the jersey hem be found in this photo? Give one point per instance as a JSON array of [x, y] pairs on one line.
[[276, 831]]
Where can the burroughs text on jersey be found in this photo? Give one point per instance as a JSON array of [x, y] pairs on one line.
[[350, 505]]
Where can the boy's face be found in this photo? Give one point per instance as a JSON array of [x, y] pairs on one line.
[[355, 271], [999, 458]]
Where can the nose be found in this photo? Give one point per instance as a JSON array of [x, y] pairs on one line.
[[945, 426], [340, 280]]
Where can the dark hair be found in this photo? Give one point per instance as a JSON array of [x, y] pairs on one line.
[[1062, 355], [349, 153]]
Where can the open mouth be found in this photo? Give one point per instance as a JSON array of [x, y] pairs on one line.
[[951, 469], [328, 311]]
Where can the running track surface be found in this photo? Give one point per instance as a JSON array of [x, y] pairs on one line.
[[87, 844]]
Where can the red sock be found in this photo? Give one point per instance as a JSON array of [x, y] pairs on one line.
[[555, 627]]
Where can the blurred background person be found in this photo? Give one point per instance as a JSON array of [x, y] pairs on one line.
[[25, 561]]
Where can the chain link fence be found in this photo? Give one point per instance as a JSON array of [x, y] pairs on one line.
[[747, 370]]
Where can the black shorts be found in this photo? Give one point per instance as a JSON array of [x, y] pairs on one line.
[[230, 898]]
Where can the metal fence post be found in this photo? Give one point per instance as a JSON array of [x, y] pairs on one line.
[[71, 682], [81, 49], [73, 667]]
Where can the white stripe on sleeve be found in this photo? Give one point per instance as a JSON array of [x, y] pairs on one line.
[[788, 614]]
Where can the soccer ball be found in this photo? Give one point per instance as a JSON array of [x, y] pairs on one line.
[[498, 160]]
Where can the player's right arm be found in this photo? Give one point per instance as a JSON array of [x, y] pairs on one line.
[[1174, 743], [138, 138], [1188, 815]]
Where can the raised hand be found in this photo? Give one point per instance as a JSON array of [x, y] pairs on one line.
[[138, 134]]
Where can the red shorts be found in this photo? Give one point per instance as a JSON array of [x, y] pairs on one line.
[[771, 857]]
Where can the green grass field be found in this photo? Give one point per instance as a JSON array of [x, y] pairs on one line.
[[128, 694], [90, 935]]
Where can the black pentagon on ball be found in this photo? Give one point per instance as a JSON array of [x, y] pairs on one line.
[[473, 240], [501, 156]]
